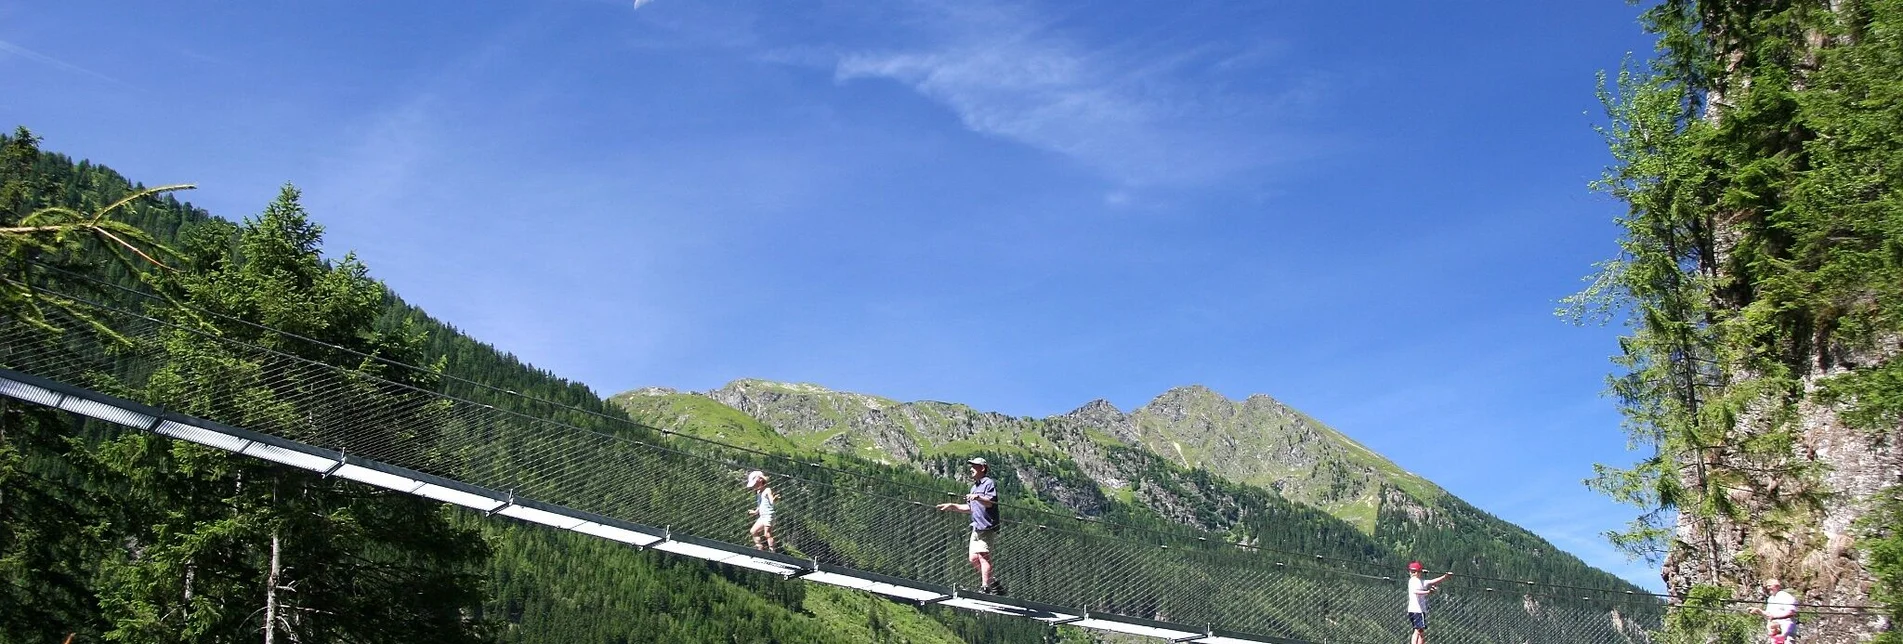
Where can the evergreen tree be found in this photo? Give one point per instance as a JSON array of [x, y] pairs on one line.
[[228, 546], [46, 590], [1761, 156]]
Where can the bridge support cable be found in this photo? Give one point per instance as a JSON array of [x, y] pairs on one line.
[[505, 457]]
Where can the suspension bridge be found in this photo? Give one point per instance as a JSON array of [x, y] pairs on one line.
[[513, 457]]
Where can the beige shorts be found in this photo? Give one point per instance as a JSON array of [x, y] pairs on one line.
[[983, 541]]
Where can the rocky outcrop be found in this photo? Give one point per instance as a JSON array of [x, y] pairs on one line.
[[1105, 417], [1793, 514], [1263, 442], [1257, 441], [868, 426]]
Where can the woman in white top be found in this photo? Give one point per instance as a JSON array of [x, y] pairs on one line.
[[764, 498]]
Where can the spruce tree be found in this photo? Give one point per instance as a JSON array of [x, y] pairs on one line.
[[231, 547]]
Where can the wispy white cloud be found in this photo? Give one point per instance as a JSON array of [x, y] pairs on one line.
[[383, 153], [56, 63], [1142, 113], [381, 165]]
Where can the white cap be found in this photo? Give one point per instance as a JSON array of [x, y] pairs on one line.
[[755, 477]]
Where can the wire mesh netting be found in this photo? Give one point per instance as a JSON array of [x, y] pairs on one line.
[[532, 450]]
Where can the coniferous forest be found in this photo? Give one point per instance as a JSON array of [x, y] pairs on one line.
[[117, 536]]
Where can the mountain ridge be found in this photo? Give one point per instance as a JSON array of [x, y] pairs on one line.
[[1254, 471], [1257, 441]]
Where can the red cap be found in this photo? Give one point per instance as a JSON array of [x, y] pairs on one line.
[[1415, 566]]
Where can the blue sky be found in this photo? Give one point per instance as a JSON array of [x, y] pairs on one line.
[[1365, 210]]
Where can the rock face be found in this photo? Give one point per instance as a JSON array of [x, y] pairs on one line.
[[1796, 512], [1858, 465]]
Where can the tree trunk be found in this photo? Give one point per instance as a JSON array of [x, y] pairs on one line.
[[191, 574], [271, 593]]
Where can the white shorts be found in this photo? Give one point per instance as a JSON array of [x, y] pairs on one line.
[[982, 541], [765, 521]]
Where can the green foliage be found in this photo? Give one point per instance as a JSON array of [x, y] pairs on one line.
[[49, 523], [30, 231], [1872, 398], [1760, 154], [698, 415], [1668, 357], [45, 589], [550, 585], [136, 538], [1480, 544], [1707, 616], [23, 187], [221, 547], [1882, 543]]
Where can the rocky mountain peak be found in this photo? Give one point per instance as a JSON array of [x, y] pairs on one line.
[[1192, 411], [1189, 393], [1100, 414], [1265, 402], [1257, 440], [839, 421], [1097, 411], [756, 384]]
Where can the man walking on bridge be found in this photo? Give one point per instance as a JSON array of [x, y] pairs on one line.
[[982, 505], [1417, 590]]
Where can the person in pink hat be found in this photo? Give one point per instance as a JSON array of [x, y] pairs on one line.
[[1417, 590], [762, 512]]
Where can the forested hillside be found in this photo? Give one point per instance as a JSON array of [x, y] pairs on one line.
[[135, 538]]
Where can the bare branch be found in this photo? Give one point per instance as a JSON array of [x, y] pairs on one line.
[[128, 246]]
